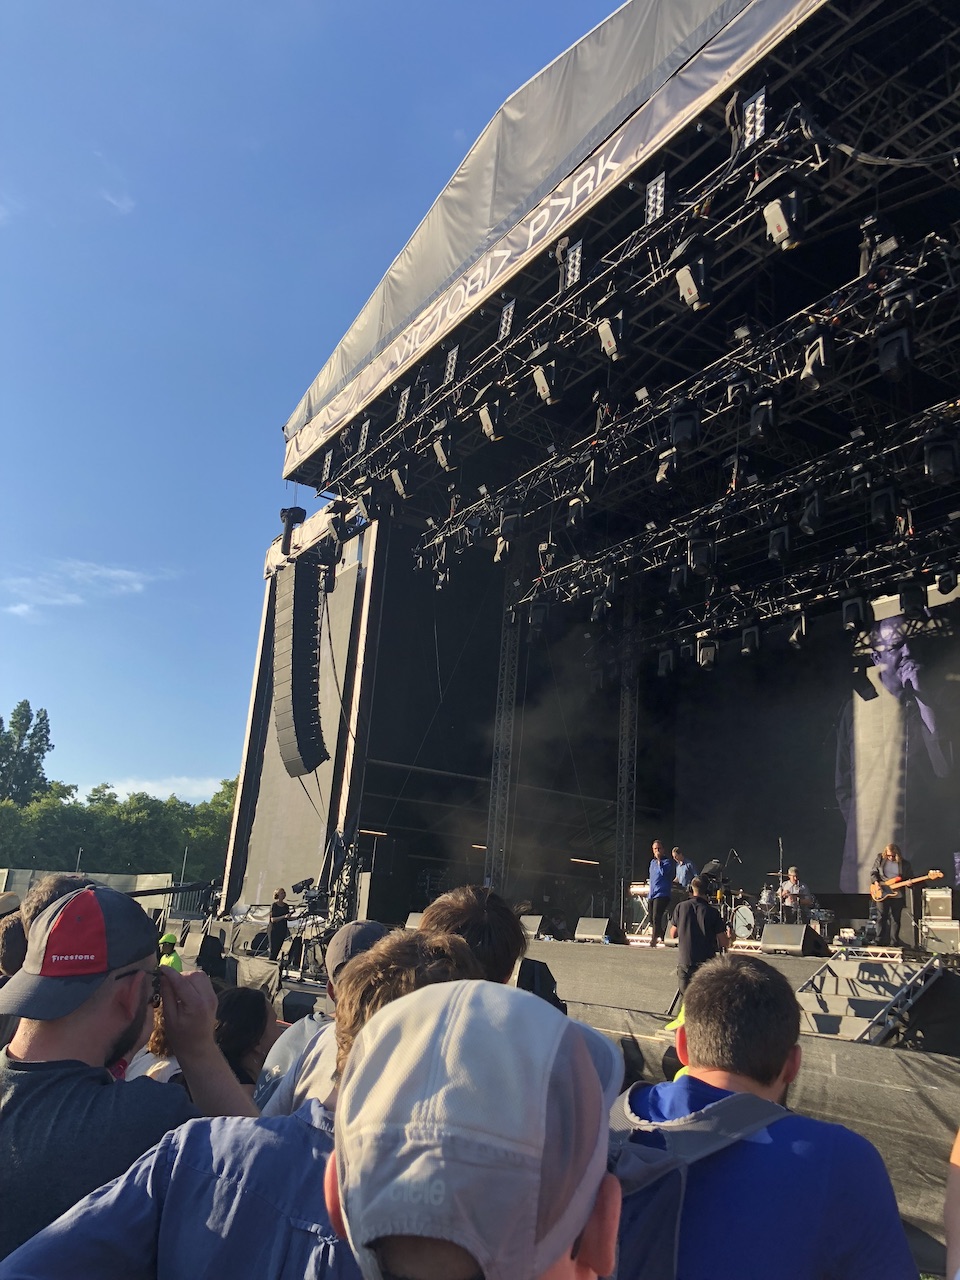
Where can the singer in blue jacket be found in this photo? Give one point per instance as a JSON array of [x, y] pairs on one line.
[[663, 871]]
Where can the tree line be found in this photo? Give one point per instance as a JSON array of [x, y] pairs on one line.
[[44, 824]]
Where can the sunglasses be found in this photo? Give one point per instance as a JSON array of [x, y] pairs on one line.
[[155, 994]]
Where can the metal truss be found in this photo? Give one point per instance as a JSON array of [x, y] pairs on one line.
[[501, 767]]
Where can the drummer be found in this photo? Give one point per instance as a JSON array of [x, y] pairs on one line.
[[794, 893]]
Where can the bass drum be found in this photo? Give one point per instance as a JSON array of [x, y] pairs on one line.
[[744, 923]]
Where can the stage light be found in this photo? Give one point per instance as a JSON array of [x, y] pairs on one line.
[[666, 662], [569, 258], [778, 546], [537, 615], [399, 477], [290, 516], [898, 301], [913, 599], [785, 218], [489, 415], [443, 448], [750, 641], [678, 580], [575, 508], [798, 632], [856, 615], [940, 460], [812, 517], [511, 519], [894, 351], [691, 264], [548, 553], [368, 505], [684, 421], [502, 552], [861, 481], [506, 320], [700, 554], [450, 366], [763, 415], [544, 378], [817, 363], [947, 581], [738, 390], [666, 466], [884, 509], [610, 333], [755, 118], [707, 650], [402, 405], [656, 198]]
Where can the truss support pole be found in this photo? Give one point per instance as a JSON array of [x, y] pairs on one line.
[[495, 861], [626, 766]]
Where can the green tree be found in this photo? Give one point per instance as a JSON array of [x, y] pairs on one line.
[[24, 744]]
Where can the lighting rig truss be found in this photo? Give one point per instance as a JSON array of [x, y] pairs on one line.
[[829, 350]]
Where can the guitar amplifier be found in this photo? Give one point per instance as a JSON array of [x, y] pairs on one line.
[[938, 904], [942, 937]]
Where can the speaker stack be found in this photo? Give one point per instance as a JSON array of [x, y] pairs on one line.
[[793, 940], [296, 666], [939, 930]]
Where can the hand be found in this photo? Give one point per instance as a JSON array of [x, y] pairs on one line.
[[189, 1010]]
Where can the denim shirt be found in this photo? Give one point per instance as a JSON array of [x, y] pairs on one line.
[[214, 1198], [662, 874]]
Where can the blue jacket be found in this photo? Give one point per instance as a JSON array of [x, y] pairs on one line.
[[662, 875], [214, 1198]]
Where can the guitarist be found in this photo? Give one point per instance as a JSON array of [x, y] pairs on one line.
[[889, 864]]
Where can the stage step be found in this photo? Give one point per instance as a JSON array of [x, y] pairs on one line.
[[831, 1024], [855, 1005]]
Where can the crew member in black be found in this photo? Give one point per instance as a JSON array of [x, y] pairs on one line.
[[700, 932], [279, 910]]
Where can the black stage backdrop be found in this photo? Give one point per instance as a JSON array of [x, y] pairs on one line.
[[833, 753]]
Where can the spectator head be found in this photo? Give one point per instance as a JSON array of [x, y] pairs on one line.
[[399, 963], [88, 968], [659, 848], [696, 887], [15, 927], [452, 1160], [741, 1017], [246, 1027], [485, 922], [350, 940]]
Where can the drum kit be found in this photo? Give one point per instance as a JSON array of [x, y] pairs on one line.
[[748, 916]]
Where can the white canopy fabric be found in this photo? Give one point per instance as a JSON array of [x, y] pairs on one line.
[[551, 151]]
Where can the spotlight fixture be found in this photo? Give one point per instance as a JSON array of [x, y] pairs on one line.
[[402, 405], [700, 554], [399, 477], [856, 615], [684, 421], [778, 546], [947, 581], [785, 218], [894, 351], [569, 258], [884, 509], [537, 616], [738, 390], [913, 599], [511, 519], [656, 198], [489, 415], [666, 662], [575, 508], [817, 363], [940, 460], [763, 415], [502, 552], [678, 580], [544, 379], [797, 637], [812, 516], [750, 641], [707, 650], [506, 320], [610, 333], [443, 448], [666, 466], [691, 261], [755, 118]]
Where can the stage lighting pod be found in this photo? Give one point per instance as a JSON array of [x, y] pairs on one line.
[[684, 421], [678, 580], [666, 466], [797, 636], [489, 415], [691, 264], [700, 555], [913, 599], [707, 650], [817, 363], [812, 517], [750, 641], [785, 218], [894, 351], [763, 415], [940, 461], [947, 581], [856, 615], [544, 379], [610, 333], [666, 662], [444, 450], [884, 509], [778, 546]]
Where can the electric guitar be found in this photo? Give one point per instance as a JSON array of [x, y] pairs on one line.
[[881, 890]]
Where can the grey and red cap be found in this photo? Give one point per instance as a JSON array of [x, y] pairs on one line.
[[73, 946]]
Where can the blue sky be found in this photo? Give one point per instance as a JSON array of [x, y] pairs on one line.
[[196, 198]]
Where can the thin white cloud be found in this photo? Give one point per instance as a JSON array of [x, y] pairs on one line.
[[68, 584], [123, 203], [191, 789]]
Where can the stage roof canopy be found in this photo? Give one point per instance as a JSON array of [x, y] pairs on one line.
[[491, 217]]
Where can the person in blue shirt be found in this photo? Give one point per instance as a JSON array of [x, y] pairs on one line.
[[663, 871], [685, 868], [826, 1187]]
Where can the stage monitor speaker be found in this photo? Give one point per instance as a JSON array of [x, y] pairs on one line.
[[296, 666], [413, 920], [793, 940], [942, 937], [938, 904], [591, 929], [533, 925]]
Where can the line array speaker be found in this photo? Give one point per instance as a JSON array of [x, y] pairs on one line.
[[296, 666]]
